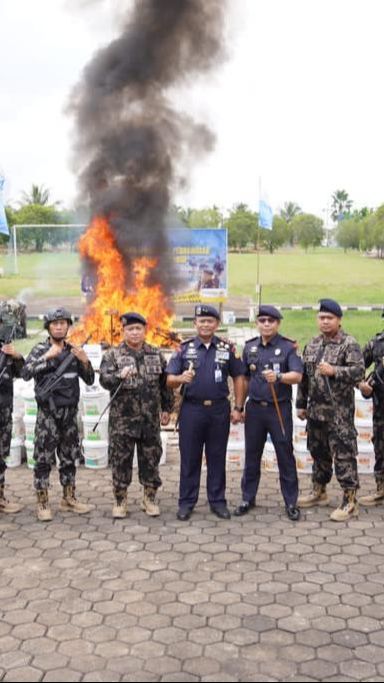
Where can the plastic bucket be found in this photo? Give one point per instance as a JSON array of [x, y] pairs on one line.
[[363, 407], [235, 456], [95, 454], [29, 425], [365, 458], [30, 405], [364, 431], [101, 433], [14, 458], [94, 402], [299, 432], [269, 457], [17, 426], [30, 447], [303, 458]]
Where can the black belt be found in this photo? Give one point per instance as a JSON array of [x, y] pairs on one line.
[[265, 404], [204, 402]]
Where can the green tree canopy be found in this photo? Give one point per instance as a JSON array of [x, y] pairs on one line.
[[242, 224], [308, 230], [341, 205]]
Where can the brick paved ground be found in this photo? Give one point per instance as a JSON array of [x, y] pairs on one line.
[[252, 599]]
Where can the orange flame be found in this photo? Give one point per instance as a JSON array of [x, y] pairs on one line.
[[101, 319]]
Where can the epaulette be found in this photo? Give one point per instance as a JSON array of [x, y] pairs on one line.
[[294, 342], [252, 339], [187, 341]]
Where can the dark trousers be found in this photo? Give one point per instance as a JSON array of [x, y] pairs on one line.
[[259, 422], [203, 426]]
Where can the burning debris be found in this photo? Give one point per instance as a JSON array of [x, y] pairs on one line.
[[131, 143]]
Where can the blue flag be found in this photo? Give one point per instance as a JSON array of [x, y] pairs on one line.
[[265, 215], [4, 230]]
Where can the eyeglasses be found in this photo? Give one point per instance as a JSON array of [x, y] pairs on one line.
[[266, 320]]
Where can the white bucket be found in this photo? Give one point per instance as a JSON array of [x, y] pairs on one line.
[[29, 425], [94, 353], [269, 457], [304, 460], [235, 456], [299, 432], [101, 432], [14, 458], [94, 402], [364, 431], [30, 405], [30, 447], [236, 433], [95, 454], [363, 406], [365, 458], [17, 426]]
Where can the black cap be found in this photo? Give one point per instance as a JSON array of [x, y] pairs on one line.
[[204, 310], [57, 314], [330, 306], [271, 311], [132, 318]]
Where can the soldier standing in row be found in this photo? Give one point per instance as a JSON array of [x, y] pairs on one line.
[[373, 352], [56, 423], [136, 371], [272, 367], [11, 366], [202, 366], [333, 365]]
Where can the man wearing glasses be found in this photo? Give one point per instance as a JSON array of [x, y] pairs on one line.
[[272, 366]]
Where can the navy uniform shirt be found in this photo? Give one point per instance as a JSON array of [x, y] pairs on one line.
[[279, 355], [212, 367]]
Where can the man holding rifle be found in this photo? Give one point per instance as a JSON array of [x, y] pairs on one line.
[[373, 387], [11, 364], [134, 373], [272, 367], [333, 365], [56, 366]]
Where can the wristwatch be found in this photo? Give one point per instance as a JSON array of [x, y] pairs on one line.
[[279, 376], [239, 410]]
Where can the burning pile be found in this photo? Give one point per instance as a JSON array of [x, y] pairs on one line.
[[131, 145]]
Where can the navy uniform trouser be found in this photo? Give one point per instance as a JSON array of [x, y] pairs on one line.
[[203, 426], [260, 421]]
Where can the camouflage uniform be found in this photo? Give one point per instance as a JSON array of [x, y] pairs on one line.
[[134, 413], [12, 368], [56, 423], [330, 407], [373, 352]]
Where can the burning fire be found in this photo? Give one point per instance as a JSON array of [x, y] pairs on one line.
[[101, 319]]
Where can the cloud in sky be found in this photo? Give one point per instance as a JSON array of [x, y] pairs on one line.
[[299, 101]]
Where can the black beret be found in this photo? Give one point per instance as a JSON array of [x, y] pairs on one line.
[[132, 318], [271, 311], [330, 306], [204, 310]]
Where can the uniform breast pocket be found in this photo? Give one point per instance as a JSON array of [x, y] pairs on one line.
[[152, 368]]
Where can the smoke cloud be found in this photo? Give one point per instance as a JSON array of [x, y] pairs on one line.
[[131, 142]]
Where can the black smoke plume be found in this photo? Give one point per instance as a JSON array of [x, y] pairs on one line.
[[131, 142]]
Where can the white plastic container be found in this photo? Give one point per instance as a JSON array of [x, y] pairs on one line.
[[269, 457], [94, 353], [363, 406], [17, 426], [14, 458], [304, 460], [30, 405], [365, 458], [299, 432], [364, 431], [101, 432], [235, 456], [29, 426], [30, 446], [94, 402], [236, 434], [95, 454]]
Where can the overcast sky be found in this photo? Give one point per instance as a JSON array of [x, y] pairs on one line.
[[299, 100]]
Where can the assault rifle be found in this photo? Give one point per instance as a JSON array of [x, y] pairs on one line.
[[45, 389], [4, 356]]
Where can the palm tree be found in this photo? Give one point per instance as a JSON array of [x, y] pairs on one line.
[[341, 205], [289, 211], [38, 195]]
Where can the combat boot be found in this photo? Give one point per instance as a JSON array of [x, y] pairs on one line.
[[149, 504], [349, 507], [318, 496], [120, 508], [6, 505], [70, 502], [44, 512], [374, 498]]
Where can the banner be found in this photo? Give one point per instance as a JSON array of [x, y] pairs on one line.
[[4, 230], [201, 262]]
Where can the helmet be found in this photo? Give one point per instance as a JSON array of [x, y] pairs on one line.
[[57, 314]]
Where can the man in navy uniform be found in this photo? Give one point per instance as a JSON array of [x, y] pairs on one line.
[[202, 366], [272, 366]]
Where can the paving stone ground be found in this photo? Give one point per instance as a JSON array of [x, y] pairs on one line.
[[253, 599]]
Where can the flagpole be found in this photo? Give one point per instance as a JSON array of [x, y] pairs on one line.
[[258, 286]]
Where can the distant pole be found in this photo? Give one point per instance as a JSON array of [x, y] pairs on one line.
[[15, 263], [258, 285]]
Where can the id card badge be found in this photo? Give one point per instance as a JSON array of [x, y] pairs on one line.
[[218, 375]]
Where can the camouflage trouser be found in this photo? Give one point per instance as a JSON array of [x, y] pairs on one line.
[[121, 452], [5, 438], [333, 441], [56, 433], [378, 443]]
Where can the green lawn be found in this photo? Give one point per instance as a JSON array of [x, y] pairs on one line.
[[44, 274], [295, 277]]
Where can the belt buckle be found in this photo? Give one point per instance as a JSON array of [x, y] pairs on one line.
[[264, 404], [207, 403]]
